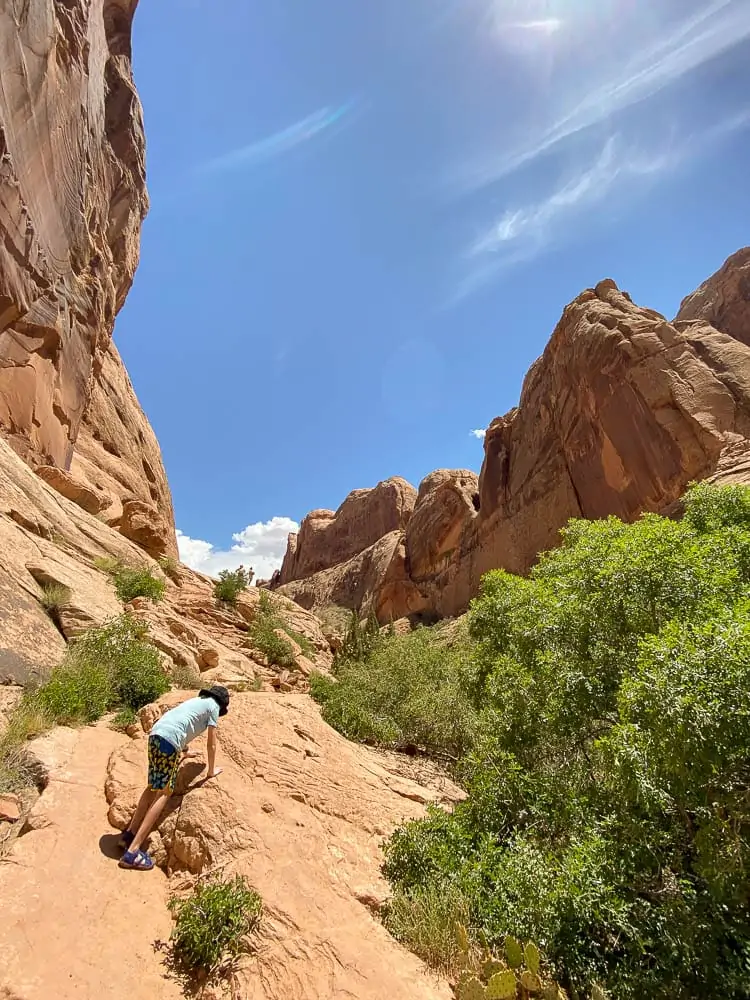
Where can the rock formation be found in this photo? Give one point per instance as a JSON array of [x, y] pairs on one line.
[[621, 412], [327, 538], [723, 300], [72, 198]]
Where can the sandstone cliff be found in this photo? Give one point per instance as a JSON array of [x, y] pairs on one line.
[[723, 300], [72, 199], [619, 414]]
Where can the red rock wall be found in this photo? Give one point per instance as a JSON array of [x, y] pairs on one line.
[[72, 198]]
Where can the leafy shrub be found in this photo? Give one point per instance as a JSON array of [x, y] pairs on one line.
[[131, 581], [107, 667], [263, 634], [607, 814], [125, 718], [171, 568], [410, 691], [213, 924], [231, 583]]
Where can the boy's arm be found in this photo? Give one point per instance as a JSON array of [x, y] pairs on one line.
[[213, 770]]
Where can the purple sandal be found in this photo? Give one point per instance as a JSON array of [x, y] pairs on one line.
[[137, 861]]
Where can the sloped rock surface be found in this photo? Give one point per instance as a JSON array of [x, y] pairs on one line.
[[301, 812], [723, 300], [72, 198], [118, 457], [621, 412]]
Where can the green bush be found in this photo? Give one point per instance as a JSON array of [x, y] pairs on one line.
[[231, 583], [125, 718], [425, 922], [107, 667], [608, 813], [213, 924], [410, 691], [263, 635], [133, 581]]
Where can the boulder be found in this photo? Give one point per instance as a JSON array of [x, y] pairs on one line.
[[142, 523], [72, 488]]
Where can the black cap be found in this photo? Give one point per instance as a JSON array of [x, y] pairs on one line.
[[220, 695]]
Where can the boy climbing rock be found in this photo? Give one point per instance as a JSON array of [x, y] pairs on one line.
[[166, 742]]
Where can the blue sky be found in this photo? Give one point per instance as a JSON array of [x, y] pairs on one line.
[[367, 217]]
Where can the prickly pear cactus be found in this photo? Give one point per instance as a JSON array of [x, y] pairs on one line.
[[490, 968], [502, 986], [531, 955], [513, 952], [472, 989]]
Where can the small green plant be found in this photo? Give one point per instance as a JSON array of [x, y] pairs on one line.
[[171, 568], [214, 923], [184, 677], [125, 718], [231, 584], [361, 638], [54, 596], [17, 769], [270, 635], [131, 581], [425, 920]]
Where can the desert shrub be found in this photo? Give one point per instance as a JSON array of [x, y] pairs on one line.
[[361, 636], [263, 634], [54, 597], [409, 691], [608, 813], [213, 924], [425, 922], [107, 667], [123, 719], [17, 769], [170, 567], [137, 581], [185, 677], [231, 583], [131, 581]]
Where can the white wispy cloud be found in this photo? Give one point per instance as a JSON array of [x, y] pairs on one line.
[[478, 433], [543, 26], [652, 67], [617, 173], [280, 142], [261, 546]]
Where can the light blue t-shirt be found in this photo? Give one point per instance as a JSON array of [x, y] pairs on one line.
[[183, 723]]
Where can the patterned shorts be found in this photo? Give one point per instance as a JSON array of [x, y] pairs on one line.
[[163, 762]]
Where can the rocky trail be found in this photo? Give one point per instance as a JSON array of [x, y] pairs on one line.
[[74, 924], [298, 810]]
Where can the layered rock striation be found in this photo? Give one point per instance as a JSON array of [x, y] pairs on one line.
[[620, 413]]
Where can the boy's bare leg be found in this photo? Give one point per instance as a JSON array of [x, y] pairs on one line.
[[141, 809], [150, 820]]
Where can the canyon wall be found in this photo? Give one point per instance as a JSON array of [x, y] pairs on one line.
[[72, 200], [620, 413]]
